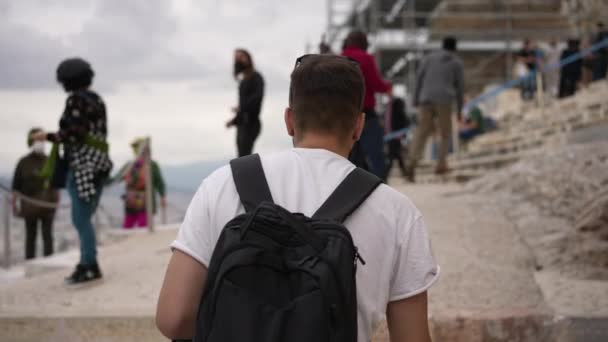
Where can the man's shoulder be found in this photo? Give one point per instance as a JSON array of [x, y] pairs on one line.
[[258, 76], [31, 158], [219, 176], [386, 198]]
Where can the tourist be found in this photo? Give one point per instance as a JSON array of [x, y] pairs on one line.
[[324, 119], [251, 94], [134, 175], [552, 78], [371, 144], [601, 55], [472, 125], [87, 165], [27, 181], [528, 55], [440, 84], [570, 74], [397, 120]]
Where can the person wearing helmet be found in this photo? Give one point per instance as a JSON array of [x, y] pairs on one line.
[[85, 164]]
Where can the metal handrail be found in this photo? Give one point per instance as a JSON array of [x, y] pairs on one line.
[[34, 201]]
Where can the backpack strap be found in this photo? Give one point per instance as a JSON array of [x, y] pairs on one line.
[[348, 196], [250, 181]]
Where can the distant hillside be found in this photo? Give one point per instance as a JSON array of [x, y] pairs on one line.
[[4, 180], [188, 177], [182, 178]]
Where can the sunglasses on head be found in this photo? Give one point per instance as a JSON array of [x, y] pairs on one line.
[[300, 59]]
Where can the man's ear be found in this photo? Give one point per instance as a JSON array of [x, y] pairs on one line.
[[359, 124], [290, 121]]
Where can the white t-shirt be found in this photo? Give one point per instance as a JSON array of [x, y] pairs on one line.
[[387, 228]]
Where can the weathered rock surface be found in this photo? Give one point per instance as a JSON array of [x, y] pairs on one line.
[[558, 200]]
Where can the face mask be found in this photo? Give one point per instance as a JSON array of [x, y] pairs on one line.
[[38, 147], [240, 67]]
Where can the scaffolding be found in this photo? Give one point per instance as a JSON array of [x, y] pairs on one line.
[[489, 31]]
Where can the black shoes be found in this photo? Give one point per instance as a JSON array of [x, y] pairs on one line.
[[410, 174], [84, 274]]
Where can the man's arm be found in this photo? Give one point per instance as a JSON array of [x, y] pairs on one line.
[[408, 319], [180, 296]]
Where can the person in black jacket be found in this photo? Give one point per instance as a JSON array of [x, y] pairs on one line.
[[571, 73], [398, 121], [251, 94]]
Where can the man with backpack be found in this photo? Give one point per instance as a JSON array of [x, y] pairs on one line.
[[247, 267]]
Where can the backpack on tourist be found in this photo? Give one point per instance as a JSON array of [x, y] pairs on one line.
[[281, 276]]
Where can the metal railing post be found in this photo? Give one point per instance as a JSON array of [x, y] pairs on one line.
[[7, 230], [163, 215], [149, 185]]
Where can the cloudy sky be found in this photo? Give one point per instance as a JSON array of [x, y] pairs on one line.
[[163, 68]]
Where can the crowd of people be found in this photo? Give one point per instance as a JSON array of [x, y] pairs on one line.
[[568, 78], [332, 118], [79, 161]]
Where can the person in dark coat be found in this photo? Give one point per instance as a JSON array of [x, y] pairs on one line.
[[251, 94], [600, 66], [570, 73], [27, 181], [398, 121]]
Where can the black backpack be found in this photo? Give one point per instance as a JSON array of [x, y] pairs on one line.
[[278, 276]]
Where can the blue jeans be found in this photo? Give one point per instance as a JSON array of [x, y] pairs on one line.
[[372, 144], [528, 88], [82, 214]]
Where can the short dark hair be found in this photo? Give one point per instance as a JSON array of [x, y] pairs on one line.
[[326, 94], [449, 43]]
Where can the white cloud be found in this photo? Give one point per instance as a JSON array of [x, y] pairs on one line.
[[163, 68]]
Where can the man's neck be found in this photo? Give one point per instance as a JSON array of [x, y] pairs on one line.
[[329, 143]]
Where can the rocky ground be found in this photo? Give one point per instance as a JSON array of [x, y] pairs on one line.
[[558, 201]]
